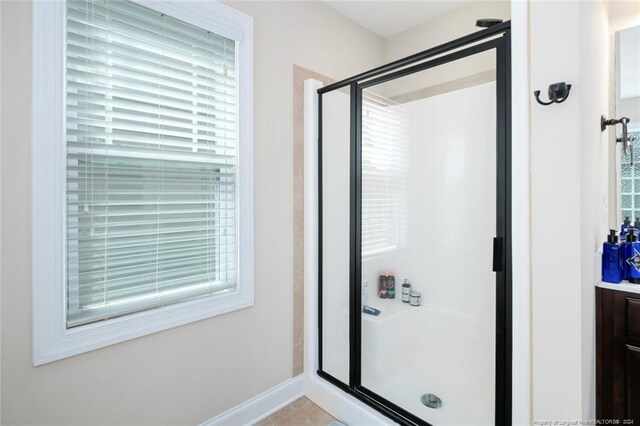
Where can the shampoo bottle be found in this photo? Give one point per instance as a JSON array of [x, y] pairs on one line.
[[633, 258], [406, 289], [624, 228], [623, 251], [382, 286], [612, 259], [391, 286]]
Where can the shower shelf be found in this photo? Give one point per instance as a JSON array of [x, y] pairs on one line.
[[389, 308]]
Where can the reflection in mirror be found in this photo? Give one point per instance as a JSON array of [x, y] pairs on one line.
[[628, 105]]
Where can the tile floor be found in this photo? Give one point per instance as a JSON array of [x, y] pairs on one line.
[[301, 412]]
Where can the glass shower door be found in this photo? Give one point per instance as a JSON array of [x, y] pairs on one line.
[[414, 277], [428, 219]]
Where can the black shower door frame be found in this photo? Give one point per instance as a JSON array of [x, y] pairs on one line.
[[497, 37]]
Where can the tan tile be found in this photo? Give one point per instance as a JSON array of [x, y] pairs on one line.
[[298, 337], [298, 296], [298, 215], [287, 415], [298, 347], [298, 303], [299, 76], [298, 204], [283, 415], [298, 360], [310, 414], [298, 156], [298, 125], [301, 403], [298, 270], [301, 412], [298, 102], [298, 309], [298, 306], [298, 186], [265, 422], [298, 245]]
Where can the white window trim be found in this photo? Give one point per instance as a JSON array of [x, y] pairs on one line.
[[51, 338]]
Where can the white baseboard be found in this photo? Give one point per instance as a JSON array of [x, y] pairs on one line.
[[260, 406]]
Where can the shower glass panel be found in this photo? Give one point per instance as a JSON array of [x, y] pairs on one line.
[[414, 162], [335, 170], [428, 216]]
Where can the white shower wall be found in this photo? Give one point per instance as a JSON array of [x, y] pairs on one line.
[[451, 171], [447, 346]]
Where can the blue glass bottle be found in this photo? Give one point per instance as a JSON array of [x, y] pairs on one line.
[[612, 259], [623, 252], [632, 258], [623, 229]]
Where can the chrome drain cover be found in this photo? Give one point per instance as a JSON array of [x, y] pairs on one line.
[[431, 400]]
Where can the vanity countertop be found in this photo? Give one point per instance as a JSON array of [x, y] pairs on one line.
[[623, 286]]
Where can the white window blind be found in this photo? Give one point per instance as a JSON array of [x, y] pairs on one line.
[[384, 173], [151, 134]]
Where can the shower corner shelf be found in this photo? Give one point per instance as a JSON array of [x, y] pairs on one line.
[[389, 308]]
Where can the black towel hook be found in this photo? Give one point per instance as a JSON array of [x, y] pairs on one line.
[[625, 139], [558, 93]]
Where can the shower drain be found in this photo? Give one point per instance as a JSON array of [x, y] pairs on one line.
[[431, 400]]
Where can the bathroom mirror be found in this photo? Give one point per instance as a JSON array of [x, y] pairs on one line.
[[625, 166]]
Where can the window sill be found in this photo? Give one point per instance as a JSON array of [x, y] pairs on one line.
[[57, 344]]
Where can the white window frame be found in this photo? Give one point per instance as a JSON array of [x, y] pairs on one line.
[[51, 338]]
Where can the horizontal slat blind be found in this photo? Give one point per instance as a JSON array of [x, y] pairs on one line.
[[384, 171], [150, 161]]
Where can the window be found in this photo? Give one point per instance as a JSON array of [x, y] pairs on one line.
[[630, 179], [384, 174], [143, 216]]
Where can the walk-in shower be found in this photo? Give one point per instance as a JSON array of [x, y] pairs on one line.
[[414, 190]]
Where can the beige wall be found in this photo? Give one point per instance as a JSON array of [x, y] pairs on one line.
[[623, 14], [188, 374], [441, 29], [191, 373]]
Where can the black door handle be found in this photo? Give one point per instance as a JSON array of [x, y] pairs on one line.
[[497, 254]]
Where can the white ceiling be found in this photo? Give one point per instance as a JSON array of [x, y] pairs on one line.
[[387, 18]]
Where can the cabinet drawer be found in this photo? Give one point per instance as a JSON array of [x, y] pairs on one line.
[[633, 318], [633, 383]]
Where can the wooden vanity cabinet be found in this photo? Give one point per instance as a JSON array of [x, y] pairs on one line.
[[617, 355]]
